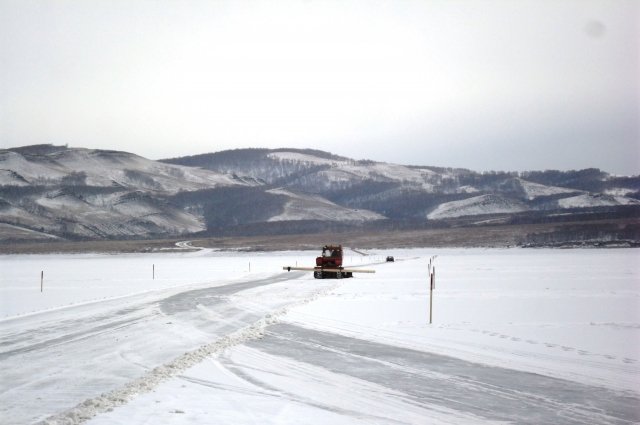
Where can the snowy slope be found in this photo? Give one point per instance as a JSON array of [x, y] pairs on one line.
[[467, 189], [483, 204], [121, 214], [98, 215], [98, 194], [106, 168], [16, 168], [9, 231], [382, 172], [618, 191], [407, 192], [341, 171], [536, 190], [304, 158], [11, 178], [27, 220], [313, 207], [596, 200]]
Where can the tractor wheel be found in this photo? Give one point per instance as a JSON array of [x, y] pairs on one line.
[[318, 274]]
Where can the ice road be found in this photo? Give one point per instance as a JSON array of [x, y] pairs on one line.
[[519, 336]]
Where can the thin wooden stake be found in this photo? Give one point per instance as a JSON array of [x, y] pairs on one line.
[[432, 286]]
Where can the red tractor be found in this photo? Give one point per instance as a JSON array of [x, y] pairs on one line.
[[331, 258], [329, 265]]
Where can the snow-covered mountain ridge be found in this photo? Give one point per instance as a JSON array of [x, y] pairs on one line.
[[54, 191], [100, 168], [419, 189]]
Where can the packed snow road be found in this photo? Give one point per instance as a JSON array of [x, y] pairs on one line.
[[519, 336], [55, 359], [489, 392], [80, 352]]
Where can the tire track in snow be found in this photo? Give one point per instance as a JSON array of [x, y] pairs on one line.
[[74, 330], [292, 397], [150, 380], [72, 350], [558, 347], [76, 336], [486, 391]]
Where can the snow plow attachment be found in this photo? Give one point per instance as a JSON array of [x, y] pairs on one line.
[[329, 273], [329, 265]]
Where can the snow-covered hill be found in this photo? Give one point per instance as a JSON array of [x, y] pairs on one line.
[[48, 190], [90, 193], [478, 205], [372, 185], [309, 169], [349, 170], [536, 190], [589, 200], [313, 207], [91, 167]]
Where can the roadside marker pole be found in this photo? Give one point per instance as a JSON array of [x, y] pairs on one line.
[[433, 285], [41, 280], [153, 272]]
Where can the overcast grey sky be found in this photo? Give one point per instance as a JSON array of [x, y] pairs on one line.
[[502, 85]]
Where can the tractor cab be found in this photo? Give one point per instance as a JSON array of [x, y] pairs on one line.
[[331, 256], [329, 265]]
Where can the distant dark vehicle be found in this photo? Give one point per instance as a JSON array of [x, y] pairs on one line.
[[390, 259]]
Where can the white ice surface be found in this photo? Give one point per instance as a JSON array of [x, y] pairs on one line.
[[72, 279], [570, 314]]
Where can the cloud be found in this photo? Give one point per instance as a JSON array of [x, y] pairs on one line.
[[409, 81]]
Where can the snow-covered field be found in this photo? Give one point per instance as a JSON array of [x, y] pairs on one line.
[[518, 336]]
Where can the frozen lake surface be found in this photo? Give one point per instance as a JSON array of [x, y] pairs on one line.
[[520, 336]]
